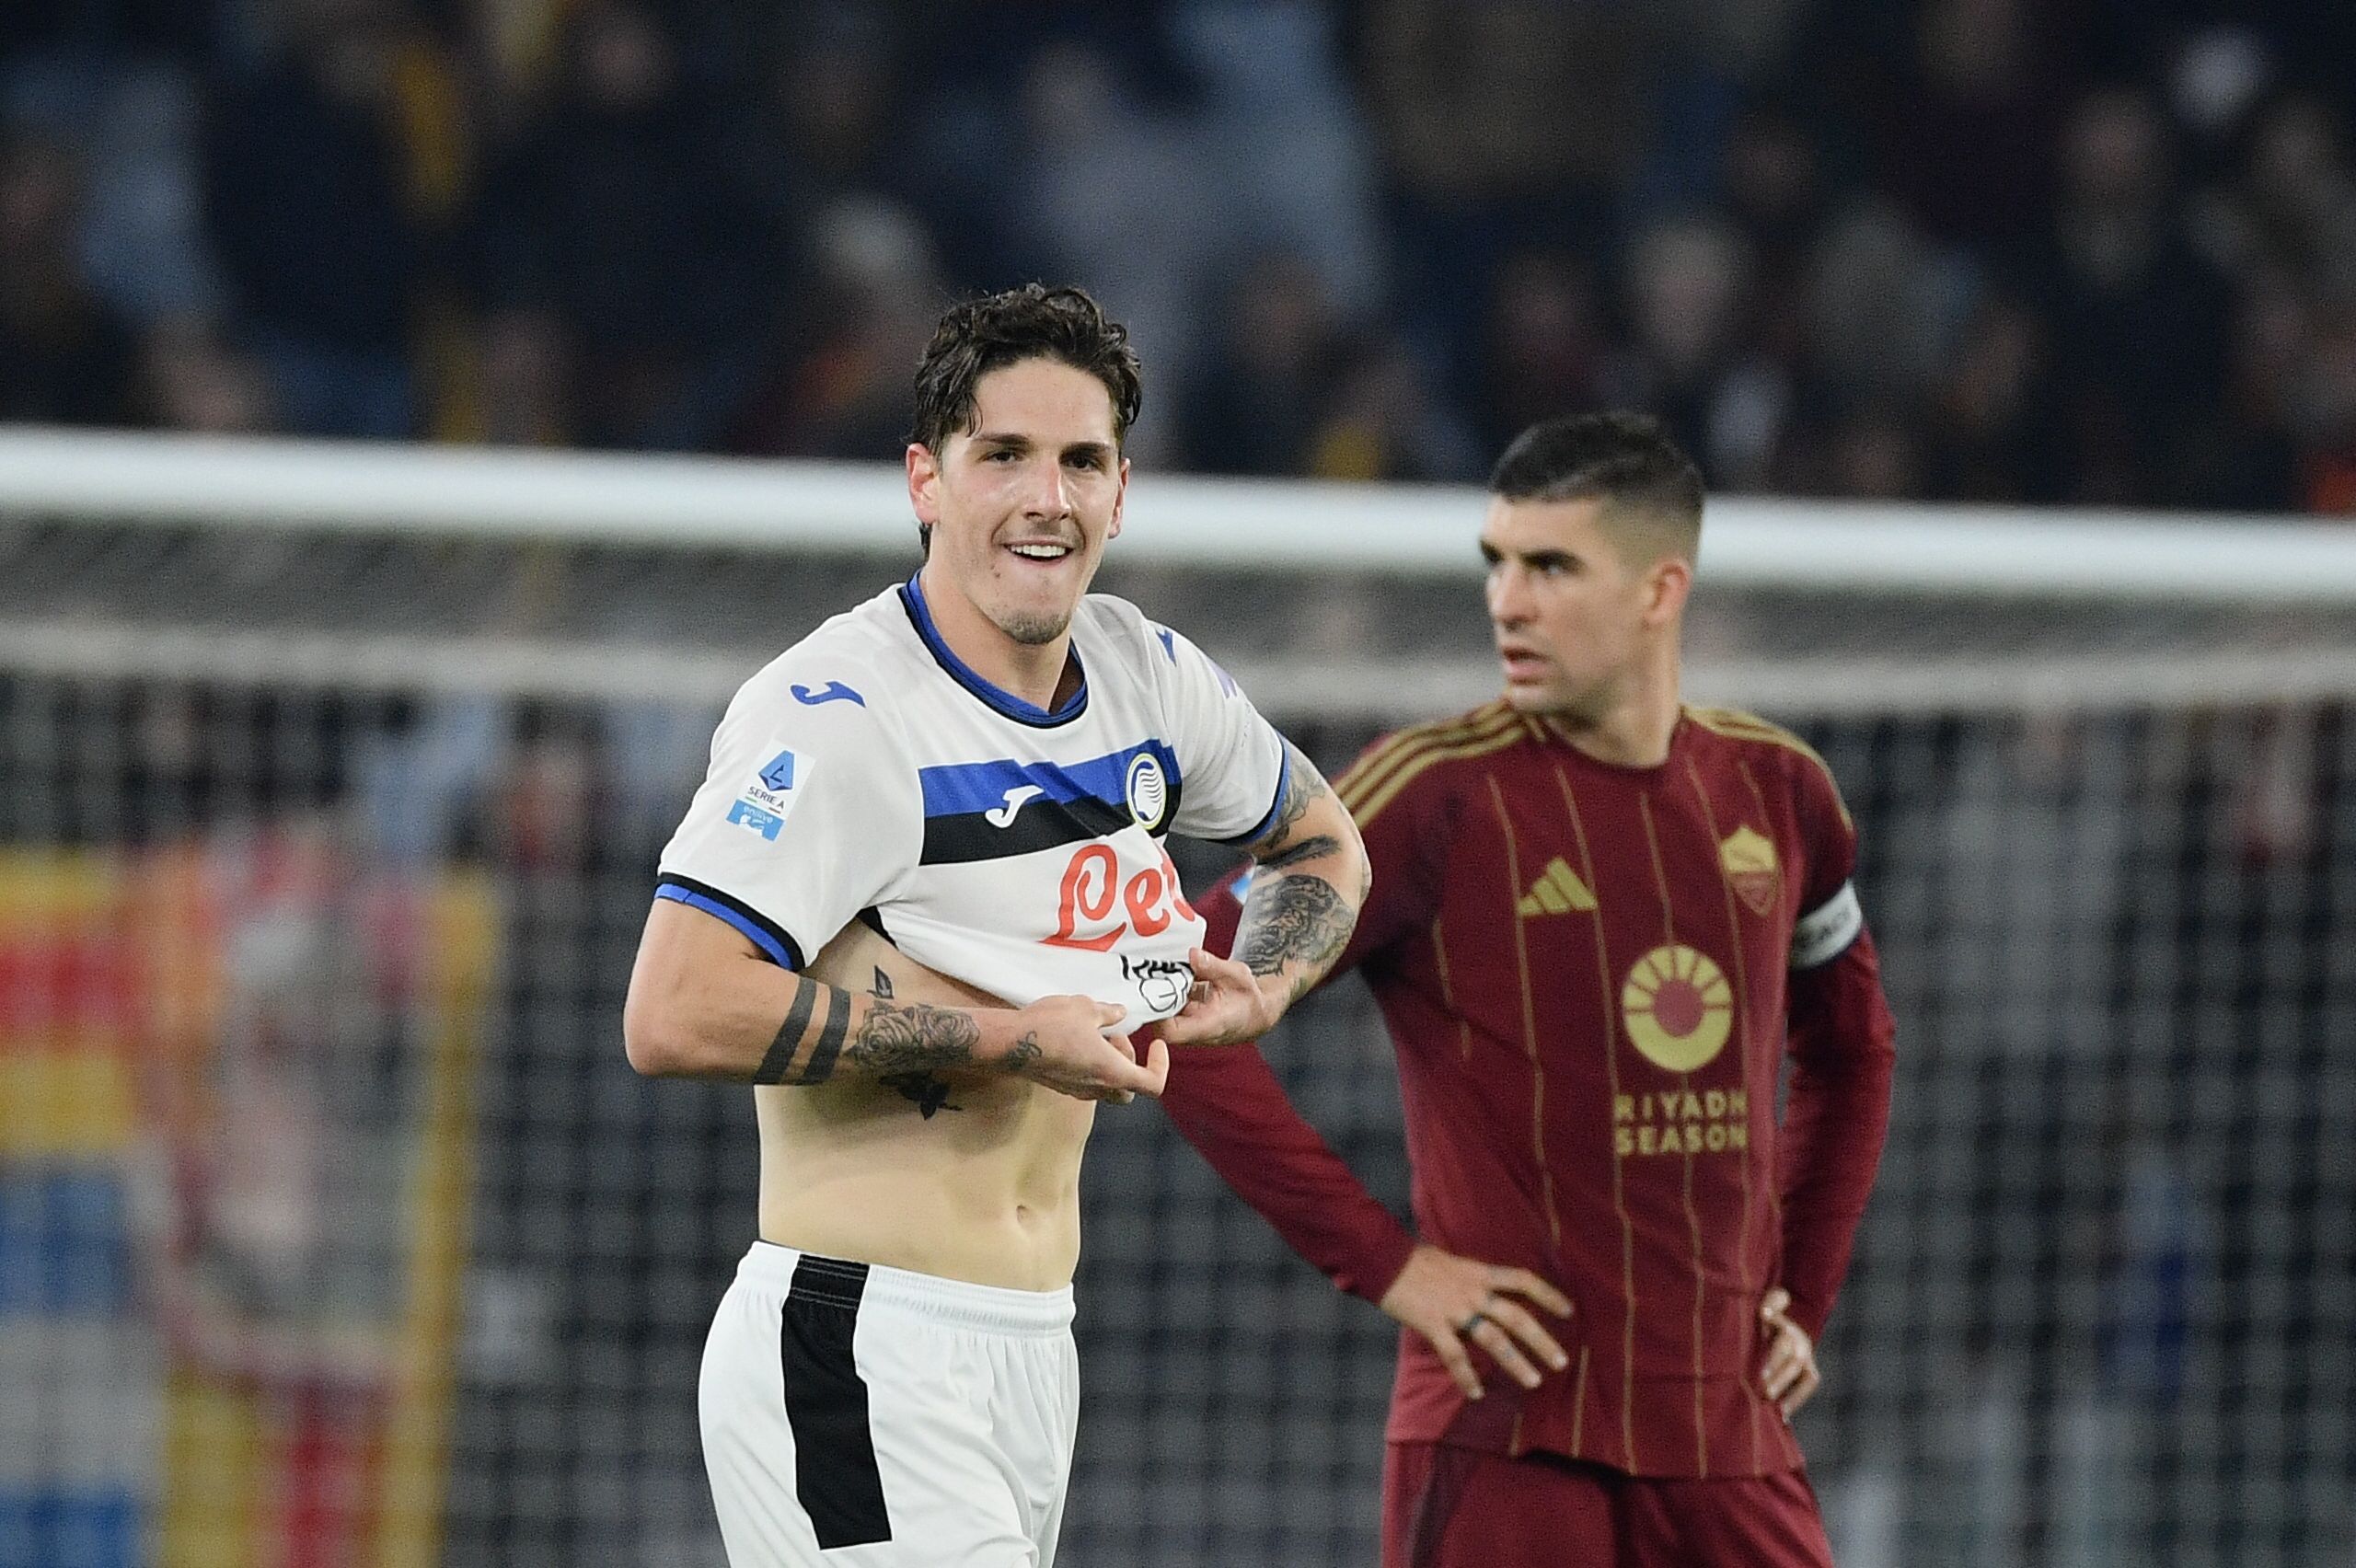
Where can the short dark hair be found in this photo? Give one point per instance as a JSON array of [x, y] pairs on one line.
[[1031, 322], [1625, 460]]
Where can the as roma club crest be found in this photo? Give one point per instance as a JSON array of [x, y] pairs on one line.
[[1748, 857]]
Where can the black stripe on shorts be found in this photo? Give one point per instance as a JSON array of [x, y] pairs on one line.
[[835, 1478]]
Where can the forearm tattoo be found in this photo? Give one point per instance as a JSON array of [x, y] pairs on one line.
[[928, 1092], [915, 1039], [777, 1063], [830, 1038], [1294, 919], [912, 1039]]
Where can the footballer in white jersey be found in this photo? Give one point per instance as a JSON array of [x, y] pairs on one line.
[[922, 903], [870, 773]]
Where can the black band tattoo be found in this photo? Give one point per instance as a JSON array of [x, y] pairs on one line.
[[830, 1039], [1295, 920], [780, 1055], [897, 1045], [1308, 848]]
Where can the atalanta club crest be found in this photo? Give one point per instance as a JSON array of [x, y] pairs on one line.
[[1748, 859], [1148, 792]]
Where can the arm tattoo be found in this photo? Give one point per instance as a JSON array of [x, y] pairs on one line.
[[927, 1092], [1294, 919], [1297, 919], [898, 1045], [1308, 848], [1303, 784], [780, 1055], [912, 1039], [830, 1039]]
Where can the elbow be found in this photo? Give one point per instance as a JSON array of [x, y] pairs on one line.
[[1348, 865], [652, 1038], [649, 1050]]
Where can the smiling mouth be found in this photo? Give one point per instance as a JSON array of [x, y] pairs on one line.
[[1041, 551]]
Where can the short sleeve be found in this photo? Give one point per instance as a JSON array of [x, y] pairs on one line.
[[808, 815], [1232, 762]]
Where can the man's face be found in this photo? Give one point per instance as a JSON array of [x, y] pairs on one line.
[[1570, 612], [1021, 504]]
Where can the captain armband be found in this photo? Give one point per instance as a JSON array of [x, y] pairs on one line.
[[1825, 932]]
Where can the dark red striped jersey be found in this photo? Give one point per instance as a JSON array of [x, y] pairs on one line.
[[1593, 977]]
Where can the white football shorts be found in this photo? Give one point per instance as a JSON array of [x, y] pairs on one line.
[[858, 1416]]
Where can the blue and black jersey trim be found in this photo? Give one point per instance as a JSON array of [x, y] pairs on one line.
[[759, 929], [1045, 824], [968, 815], [1283, 783], [998, 698]]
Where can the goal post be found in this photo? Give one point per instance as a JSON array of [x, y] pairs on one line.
[[332, 1221]]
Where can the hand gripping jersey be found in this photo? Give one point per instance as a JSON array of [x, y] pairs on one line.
[[868, 772]]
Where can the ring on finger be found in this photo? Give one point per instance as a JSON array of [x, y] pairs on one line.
[[1472, 1322]]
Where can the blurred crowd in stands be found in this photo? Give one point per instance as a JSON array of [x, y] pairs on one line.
[[2090, 251]]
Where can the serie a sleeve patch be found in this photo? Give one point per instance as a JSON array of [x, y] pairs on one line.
[[1825, 932]]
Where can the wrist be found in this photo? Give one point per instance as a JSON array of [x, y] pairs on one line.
[[1276, 993], [1390, 1272], [1001, 1034]]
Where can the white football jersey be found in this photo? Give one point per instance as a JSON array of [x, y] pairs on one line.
[[868, 773]]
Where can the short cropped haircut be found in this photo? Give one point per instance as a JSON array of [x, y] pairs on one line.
[[1031, 322], [1626, 461]]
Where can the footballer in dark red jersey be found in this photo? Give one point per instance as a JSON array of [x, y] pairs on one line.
[[1601, 920]]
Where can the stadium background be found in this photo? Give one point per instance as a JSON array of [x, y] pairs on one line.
[[334, 1229]]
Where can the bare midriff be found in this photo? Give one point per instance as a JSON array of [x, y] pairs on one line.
[[971, 1176]]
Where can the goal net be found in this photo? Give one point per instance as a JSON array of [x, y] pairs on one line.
[[334, 1229]]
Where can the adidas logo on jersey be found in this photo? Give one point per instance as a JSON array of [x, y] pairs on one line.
[[1558, 891]]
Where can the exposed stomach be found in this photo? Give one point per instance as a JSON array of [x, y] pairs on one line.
[[971, 1176]]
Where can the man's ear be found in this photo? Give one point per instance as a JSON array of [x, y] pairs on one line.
[[1666, 587], [924, 483], [1120, 499]]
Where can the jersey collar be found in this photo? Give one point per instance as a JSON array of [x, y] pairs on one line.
[[1549, 725], [998, 698]]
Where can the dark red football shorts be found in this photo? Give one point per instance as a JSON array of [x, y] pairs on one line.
[[1450, 1507]]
